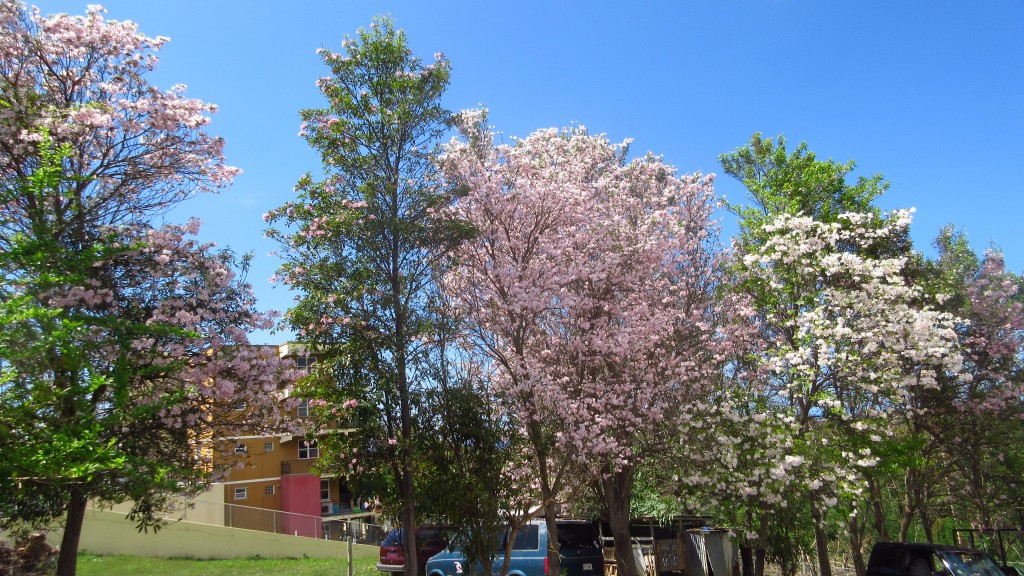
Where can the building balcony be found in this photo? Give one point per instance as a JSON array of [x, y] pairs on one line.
[[343, 511], [297, 466]]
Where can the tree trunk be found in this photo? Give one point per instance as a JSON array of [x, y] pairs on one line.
[[408, 506], [906, 517], [554, 559], [547, 493], [405, 406], [926, 523], [876, 507], [746, 559], [907, 511], [761, 552], [618, 486], [820, 539], [406, 489], [411, 558], [857, 546], [507, 551], [67, 561], [486, 567]]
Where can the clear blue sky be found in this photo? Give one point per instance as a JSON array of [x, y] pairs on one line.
[[928, 93]]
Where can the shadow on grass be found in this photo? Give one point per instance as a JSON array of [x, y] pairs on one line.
[[89, 565]]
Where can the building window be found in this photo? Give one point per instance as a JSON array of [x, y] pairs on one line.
[[268, 446], [325, 489], [308, 449], [304, 362], [240, 448], [268, 490], [241, 493], [303, 409]]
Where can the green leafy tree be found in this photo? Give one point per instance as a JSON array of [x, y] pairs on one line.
[[363, 245], [783, 182], [474, 482], [122, 360]]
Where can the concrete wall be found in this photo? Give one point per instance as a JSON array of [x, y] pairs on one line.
[[108, 532], [207, 508]]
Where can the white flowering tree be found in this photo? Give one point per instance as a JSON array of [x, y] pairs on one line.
[[739, 462], [844, 344], [854, 348]]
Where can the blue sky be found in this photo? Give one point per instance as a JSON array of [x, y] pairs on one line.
[[928, 93]]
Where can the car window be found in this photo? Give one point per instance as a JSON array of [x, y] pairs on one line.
[[394, 538], [432, 533], [528, 538], [576, 535]]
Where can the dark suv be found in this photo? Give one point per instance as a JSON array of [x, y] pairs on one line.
[[429, 541], [913, 559]]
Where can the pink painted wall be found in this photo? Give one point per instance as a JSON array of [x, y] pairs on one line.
[[300, 494]]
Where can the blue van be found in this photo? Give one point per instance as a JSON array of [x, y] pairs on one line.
[[578, 546]]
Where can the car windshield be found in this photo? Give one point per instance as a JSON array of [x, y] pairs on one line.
[[432, 533], [971, 564]]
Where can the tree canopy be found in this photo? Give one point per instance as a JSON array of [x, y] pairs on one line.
[[124, 345]]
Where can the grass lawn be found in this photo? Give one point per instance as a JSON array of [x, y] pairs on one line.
[[89, 565]]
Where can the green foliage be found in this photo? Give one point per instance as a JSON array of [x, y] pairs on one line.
[[45, 375], [790, 537], [795, 183], [467, 448], [89, 384]]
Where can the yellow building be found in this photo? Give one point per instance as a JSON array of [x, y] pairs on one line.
[[275, 489]]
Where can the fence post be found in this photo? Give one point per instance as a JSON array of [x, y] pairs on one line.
[[350, 568]]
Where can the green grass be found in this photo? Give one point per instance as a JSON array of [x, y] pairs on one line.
[[89, 565]]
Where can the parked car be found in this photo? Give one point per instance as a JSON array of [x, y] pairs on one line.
[[916, 559], [578, 547], [429, 541]]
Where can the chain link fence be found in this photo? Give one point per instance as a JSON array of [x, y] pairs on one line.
[[339, 527]]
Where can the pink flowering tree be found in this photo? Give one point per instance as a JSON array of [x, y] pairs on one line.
[[362, 246], [975, 423], [124, 345], [590, 285]]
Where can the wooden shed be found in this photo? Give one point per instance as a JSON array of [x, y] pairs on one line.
[[660, 546]]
